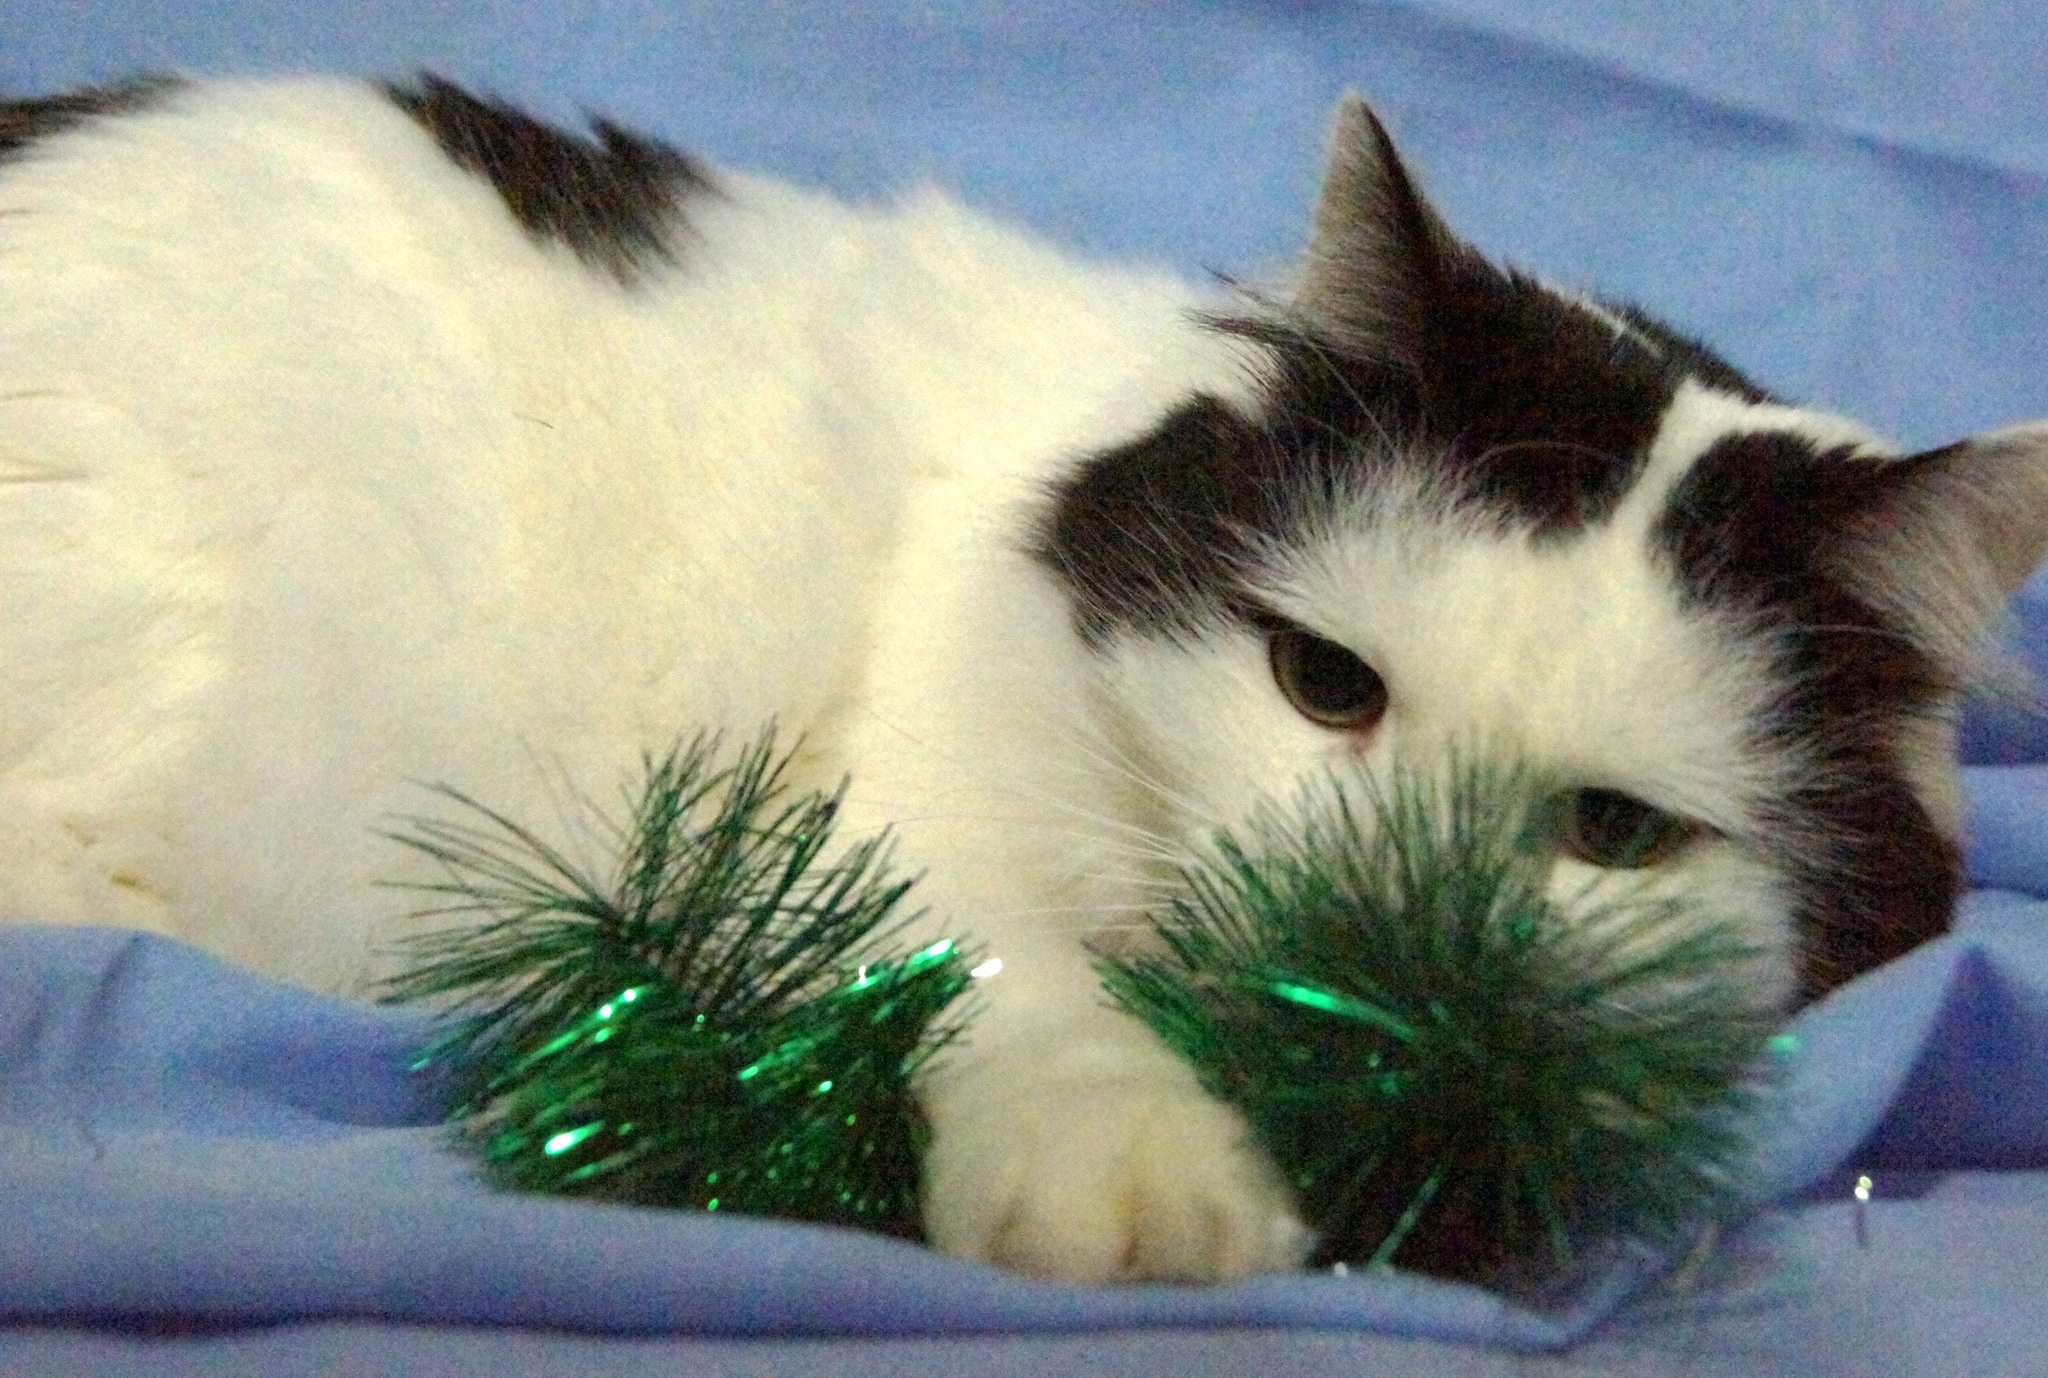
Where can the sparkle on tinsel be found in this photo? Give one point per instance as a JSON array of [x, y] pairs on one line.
[[1457, 1077], [697, 1031]]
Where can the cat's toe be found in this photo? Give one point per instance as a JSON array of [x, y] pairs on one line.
[[1092, 1182]]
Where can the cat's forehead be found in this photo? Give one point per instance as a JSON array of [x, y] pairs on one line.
[[1514, 609], [1544, 407], [1588, 649], [1543, 540]]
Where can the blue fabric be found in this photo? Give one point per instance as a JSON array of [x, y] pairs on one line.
[[1850, 199], [183, 1139]]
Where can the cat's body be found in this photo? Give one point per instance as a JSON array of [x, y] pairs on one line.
[[356, 437]]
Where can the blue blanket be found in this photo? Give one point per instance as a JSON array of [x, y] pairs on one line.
[[199, 1169], [182, 1139]]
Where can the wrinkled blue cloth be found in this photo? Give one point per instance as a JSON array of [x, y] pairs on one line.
[[183, 1139]]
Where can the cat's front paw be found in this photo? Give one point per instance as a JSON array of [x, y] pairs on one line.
[[1102, 1178]]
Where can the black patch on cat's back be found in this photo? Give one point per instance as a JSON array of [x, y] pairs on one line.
[[1752, 529], [24, 122], [613, 199]]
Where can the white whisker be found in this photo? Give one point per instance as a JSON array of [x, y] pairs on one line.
[[1063, 806]]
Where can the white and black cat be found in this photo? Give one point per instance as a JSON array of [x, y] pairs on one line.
[[354, 436]]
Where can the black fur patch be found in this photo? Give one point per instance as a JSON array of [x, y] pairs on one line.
[[1535, 409], [1145, 536], [1691, 355], [23, 122], [1523, 405], [1405, 348], [612, 199], [1753, 529]]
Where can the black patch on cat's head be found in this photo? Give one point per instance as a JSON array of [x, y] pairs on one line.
[[613, 199], [1754, 530], [1404, 348], [23, 122], [1521, 403], [1690, 356]]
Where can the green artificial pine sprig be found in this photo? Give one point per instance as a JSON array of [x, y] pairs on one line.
[[711, 1027], [1455, 1076]]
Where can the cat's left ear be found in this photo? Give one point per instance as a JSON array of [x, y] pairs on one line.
[[1379, 252], [1957, 531]]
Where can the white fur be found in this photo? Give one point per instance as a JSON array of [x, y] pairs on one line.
[[319, 479], [322, 481], [1572, 656]]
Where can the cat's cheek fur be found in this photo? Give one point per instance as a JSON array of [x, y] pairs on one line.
[[1210, 738]]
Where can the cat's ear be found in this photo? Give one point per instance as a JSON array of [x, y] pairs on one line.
[[1954, 535], [1378, 252]]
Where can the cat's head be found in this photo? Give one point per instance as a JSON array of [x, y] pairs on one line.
[[1464, 506]]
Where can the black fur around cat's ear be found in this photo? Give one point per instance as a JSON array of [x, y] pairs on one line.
[[1935, 543], [1378, 253]]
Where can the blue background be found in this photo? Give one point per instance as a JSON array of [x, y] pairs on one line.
[[1848, 197]]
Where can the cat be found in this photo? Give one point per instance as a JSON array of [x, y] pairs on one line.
[[358, 435]]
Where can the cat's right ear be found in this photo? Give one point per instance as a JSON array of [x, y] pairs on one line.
[[1947, 537], [1378, 254]]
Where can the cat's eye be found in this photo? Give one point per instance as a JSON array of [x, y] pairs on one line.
[[1326, 684], [1616, 831]]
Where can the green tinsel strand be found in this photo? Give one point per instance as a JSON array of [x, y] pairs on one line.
[[1456, 1077], [696, 1032]]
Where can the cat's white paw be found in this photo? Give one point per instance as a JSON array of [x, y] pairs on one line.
[[1102, 1178]]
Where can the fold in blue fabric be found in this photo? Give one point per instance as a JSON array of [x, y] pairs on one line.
[[180, 1139]]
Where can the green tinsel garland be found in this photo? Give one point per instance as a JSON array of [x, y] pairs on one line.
[[709, 1028], [1455, 1076]]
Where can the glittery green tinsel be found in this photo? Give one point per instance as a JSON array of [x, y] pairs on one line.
[[1456, 1077], [710, 1028]]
